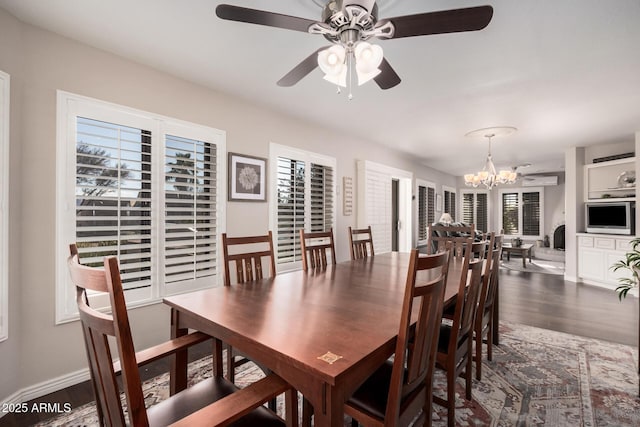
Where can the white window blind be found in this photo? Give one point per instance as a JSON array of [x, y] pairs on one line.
[[522, 212], [190, 217], [303, 197], [4, 205], [113, 198], [450, 202], [426, 209], [142, 187], [475, 205]]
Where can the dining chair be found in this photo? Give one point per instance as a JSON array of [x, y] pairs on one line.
[[439, 234], [248, 254], [478, 249], [214, 401], [314, 246], [361, 243], [454, 354], [400, 390], [484, 316]]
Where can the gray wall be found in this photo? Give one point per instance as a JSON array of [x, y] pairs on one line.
[[40, 63]]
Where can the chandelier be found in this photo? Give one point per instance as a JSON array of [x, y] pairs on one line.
[[488, 176], [339, 62]]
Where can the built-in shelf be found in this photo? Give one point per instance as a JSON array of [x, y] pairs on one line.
[[601, 180]]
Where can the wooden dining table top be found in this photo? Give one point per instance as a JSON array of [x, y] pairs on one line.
[[315, 329]]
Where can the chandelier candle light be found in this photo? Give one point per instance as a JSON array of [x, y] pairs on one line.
[[488, 176]]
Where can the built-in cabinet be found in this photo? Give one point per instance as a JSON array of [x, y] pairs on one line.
[[598, 252]]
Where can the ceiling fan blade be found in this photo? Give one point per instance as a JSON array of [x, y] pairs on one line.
[[387, 77], [301, 70], [441, 22], [260, 17]]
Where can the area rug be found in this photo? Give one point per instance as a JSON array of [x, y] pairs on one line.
[[537, 377], [535, 266]]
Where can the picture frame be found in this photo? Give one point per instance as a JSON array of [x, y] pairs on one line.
[[247, 177]]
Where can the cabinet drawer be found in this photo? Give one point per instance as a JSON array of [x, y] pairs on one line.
[[623, 245], [604, 243], [585, 242]]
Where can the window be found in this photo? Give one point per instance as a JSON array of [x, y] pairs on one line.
[[142, 187], [521, 212], [4, 206], [475, 209], [303, 196], [426, 209], [449, 201]]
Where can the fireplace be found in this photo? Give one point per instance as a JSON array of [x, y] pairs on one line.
[[558, 238]]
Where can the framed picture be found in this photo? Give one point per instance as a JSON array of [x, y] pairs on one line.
[[247, 178]]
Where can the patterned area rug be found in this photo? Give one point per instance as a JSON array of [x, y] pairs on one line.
[[537, 377]]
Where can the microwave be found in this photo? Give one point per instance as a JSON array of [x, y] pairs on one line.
[[610, 217]]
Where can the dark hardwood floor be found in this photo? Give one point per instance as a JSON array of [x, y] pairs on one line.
[[541, 300]]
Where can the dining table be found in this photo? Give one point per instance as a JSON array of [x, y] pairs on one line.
[[324, 332]]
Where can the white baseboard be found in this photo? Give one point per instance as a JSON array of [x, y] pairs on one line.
[[41, 389]]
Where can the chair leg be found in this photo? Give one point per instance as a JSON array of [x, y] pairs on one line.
[[427, 409], [478, 340], [231, 370], [469, 372], [490, 341], [451, 397], [291, 407]]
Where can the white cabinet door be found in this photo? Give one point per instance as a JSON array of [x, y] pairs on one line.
[[613, 276], [591, 264]]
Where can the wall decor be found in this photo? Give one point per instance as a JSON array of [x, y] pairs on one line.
[[347, 195], [438, 202], [247, 178]]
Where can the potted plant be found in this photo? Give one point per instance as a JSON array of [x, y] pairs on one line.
[[630, 262]]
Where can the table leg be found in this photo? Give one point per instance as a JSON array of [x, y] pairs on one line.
[[332, 415], [178, 376], [524, 259]]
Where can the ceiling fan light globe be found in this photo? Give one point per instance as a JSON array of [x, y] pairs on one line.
[[368, 57], [339, 79], [331, 60]]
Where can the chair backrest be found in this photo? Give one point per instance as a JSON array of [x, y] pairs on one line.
[[466, 303], [361, 242], [314, 246], [98, 327], [248, 265], [439, 234], [416, 348], [489, 278], [478, 249]]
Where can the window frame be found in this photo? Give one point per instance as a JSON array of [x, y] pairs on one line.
[[520, 191], [475, 193], [5, 85], [308, 157], [69, 107]]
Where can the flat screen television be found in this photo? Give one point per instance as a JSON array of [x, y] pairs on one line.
[[610, 217]]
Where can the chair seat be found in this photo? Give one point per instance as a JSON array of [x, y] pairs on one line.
[[372, 396], [202, 394]]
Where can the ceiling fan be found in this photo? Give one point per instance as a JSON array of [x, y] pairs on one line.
[[348, 25]]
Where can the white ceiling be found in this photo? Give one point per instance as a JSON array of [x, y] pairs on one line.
[[564, 72]]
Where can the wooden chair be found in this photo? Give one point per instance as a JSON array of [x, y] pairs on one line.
[[456, 339], [439, 235], [214, 401], [400, 390], [484, 316], [478, 249], [314, 249], [359, 239], [248, 268]]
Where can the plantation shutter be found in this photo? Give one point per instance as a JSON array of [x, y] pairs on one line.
[[291, 208], [422, 213], [531, 214], [113, 197], [450, 203], [431, 205], [190, 217], [378, 209], [482, 212], [468, 206], [510, 213], [321, 198]]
